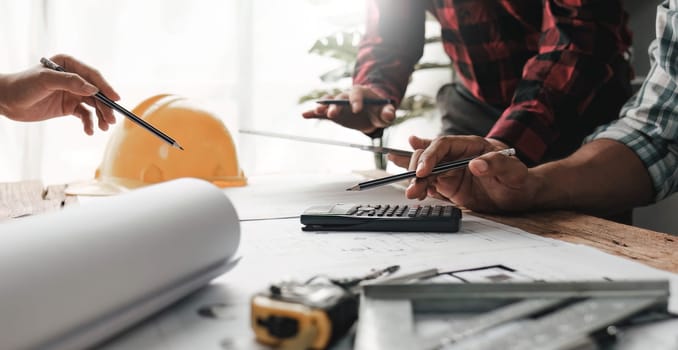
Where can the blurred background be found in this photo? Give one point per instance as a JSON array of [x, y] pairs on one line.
[[246, 61]]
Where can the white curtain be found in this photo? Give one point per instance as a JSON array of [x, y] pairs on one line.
[[245, 60], [21, 38]]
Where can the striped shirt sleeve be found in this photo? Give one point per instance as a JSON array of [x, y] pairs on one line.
[[649, 121]]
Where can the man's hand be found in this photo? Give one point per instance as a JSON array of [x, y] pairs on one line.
[[460, 143], [40, 93], [491, 183], [359, 117]]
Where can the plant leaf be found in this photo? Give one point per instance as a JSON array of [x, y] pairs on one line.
[[337, 74], [342, 46], [318, 94]]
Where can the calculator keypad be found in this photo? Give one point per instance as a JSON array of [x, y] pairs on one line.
[[386, 210], [382, 217]]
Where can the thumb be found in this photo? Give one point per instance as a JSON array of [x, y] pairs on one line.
[[508, 170], [64, 81]]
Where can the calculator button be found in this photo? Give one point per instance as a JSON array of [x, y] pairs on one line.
[[425, 211]]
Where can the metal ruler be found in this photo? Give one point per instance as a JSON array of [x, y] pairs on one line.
[[563, 315]]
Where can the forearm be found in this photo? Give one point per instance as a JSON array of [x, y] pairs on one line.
[[392, 44], [602, 177]]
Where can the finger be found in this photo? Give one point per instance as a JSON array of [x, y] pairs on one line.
[[388, 114], [383, 118], [334, 110], [62, 81], [432, 155], [105, 113], [417, 186], [313, 115], [417, 189], [90, 74], [414, 159], [401, 161], [317, 112], [376, 121], [310, 114], [356, 96], [449, 184], [418, 143], [86, 117], [321, 109], [103, 126], [507, 170], [449, 147]]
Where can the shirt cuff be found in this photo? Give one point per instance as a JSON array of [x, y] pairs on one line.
[[660, 165]]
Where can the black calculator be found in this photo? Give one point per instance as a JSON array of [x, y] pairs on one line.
[[382, 217]]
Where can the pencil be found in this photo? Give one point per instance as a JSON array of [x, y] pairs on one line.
[[111, 104], [367, 101], [440, 168]]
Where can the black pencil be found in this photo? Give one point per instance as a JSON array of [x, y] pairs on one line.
[[367, 101], [111, 104], [440, 168]]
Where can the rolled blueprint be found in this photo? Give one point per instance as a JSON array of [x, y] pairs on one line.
[[73, 278]]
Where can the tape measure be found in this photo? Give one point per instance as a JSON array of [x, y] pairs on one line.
[[311, 314], [301, 316]]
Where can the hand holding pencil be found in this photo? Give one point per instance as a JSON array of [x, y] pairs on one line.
[[490, 182], [438, 169], [361, 108], [37, 94], [104, 100]]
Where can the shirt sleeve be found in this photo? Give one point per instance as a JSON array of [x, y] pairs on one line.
[[649, 123], [393, 43], [579, 40]]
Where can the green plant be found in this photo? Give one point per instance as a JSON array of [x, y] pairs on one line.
[[343, 47]]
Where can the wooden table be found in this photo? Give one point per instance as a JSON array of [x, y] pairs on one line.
[[19, 199], [656, 249], [659, 250]]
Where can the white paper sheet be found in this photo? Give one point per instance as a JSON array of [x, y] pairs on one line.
[[285, 196], [274, 249], [72, 278]]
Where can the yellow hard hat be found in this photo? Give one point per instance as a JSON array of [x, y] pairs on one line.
[[134, 157]]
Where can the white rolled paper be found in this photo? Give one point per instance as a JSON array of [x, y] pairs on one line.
[[73, 278]]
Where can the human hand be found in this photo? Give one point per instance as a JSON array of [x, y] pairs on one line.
[[41, 93], [419, 144], [404, 161], [491, 183], [359, 117]]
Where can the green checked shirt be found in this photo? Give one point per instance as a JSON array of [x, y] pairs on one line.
[[649, 120]]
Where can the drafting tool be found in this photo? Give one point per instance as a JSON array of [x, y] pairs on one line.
[[316, 313], [374, 149], [561, 315]]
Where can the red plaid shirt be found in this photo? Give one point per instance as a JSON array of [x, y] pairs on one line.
[[540, 61]]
